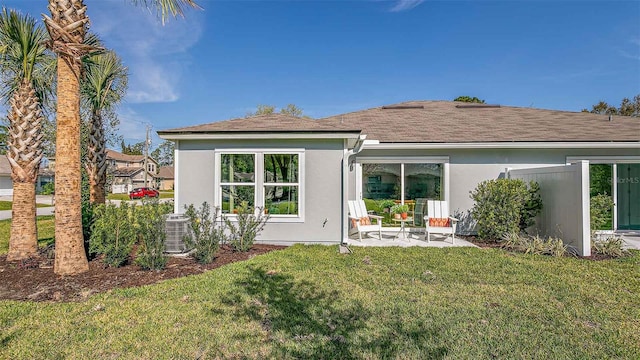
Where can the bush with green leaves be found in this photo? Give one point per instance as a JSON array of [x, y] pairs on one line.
[[152, 234], [534, 244], [505, 206], [114, 233], [47, 189], [601, 211], [612, 246], [245, 226], [206, 233]]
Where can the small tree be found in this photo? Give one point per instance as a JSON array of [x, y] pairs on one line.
[[245, 230], [505, 206], [205, 234]]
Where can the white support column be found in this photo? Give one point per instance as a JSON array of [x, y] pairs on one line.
[[402, 183], [586, 209], [446, 181], [614, 194], [176, 179]]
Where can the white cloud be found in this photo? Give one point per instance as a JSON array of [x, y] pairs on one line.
[[404, 5], [155, 54]]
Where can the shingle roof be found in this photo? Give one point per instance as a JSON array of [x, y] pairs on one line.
[[165, 172], [126, 171], [262, 123], [454, 122], [112, 154]]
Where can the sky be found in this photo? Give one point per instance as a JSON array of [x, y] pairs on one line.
[[333, 57]]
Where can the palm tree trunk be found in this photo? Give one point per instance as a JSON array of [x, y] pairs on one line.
[[97, 160], [24, 231], [70, 254]]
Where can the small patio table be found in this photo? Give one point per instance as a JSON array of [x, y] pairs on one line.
[[403, 230]]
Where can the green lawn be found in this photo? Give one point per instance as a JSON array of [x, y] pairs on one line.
[[46, 232], [377, 303], [6, 205]]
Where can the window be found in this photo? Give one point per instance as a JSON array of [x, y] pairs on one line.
[[271, 180]]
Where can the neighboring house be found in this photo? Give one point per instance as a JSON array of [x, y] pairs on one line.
[[6, 184], [128, 171], [413, 150], [45, 175], [165, 178]]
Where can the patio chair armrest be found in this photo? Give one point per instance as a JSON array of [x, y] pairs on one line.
[[453, 219], [376, 217]]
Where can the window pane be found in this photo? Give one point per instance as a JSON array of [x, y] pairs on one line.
[[234, 196], [381, 181], [280, 168], [242, 166], [281, 200], [422, 181]]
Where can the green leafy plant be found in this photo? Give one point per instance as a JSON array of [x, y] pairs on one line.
[[205, 234], [151, 234], [246, 227], [505, 206], [114, 233], [612, 246], [386, 204], [534, 244], [47, 189], [601, 211], [399, 208]]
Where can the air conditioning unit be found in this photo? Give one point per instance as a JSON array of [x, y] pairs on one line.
[[177, 226]]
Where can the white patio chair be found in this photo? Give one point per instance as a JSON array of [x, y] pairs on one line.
[[362, 221], [438, 221]]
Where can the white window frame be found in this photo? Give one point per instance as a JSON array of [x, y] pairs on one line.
[[259, 181], [401, 160]]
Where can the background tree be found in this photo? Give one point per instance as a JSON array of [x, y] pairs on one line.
[[163, 154], [103, 87], [469, 99], [132, 149], [627, 107], [24, 65], [290, 109], [67, 28]]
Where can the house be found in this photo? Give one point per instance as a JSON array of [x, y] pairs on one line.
[[407, 151], [45, 176], [6, 184], [128, 171], [165, 178]]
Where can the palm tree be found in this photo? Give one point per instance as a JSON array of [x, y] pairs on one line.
[[24, 60], [103, 87], [67, 28]]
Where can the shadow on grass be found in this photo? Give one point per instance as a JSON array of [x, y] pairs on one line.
[[300, 320]]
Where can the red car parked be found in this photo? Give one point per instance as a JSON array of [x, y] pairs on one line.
[[139, 193]]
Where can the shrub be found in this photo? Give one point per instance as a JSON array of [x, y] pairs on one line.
[[151, 234], [204, 235], [386, 204], [505, 206], [47, 189], [612, 246], [373, 205], [601, 211], [113, 233], [87, 225], [245, 229], [534, 244]]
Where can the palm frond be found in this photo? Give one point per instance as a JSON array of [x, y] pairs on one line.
[[166, 8]]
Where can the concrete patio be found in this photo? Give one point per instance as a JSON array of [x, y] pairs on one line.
[[414, 238]]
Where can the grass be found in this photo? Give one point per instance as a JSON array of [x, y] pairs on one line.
[[6, 205], [46, 231], [377, 303]]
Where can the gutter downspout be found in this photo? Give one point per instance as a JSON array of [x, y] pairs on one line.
[[345, 185]]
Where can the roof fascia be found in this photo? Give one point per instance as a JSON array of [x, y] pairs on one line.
[[505, 145], [251, 136]]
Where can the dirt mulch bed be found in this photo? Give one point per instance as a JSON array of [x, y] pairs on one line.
[[34, 279]]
